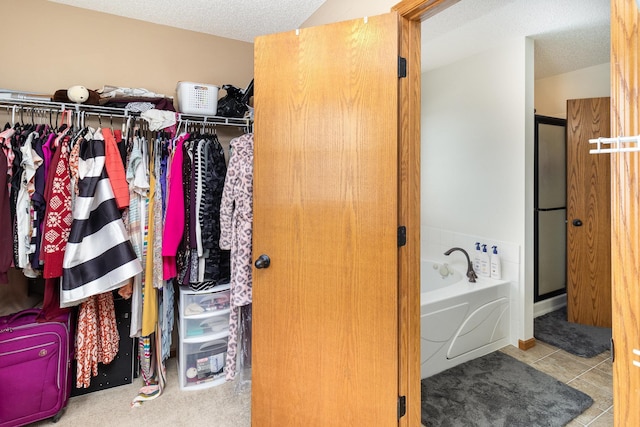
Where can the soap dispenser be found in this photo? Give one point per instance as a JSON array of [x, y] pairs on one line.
[[485, 263], [496, 268], [477, 257]]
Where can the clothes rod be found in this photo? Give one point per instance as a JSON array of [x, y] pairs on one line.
[[61, 106], [16, 104], [621, 144], [216, 120]]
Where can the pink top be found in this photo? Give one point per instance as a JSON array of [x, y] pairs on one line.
[[174, 219]]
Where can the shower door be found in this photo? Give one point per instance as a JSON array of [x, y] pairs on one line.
[[550, 207]]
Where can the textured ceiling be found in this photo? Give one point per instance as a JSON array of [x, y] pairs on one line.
[[234, 19], [568, 34]]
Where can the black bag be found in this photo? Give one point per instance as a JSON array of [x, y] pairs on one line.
[[232, 104]]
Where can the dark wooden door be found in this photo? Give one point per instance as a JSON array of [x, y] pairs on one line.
[[588, 214]]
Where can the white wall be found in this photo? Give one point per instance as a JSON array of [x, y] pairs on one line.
[[477, 132], [551, 94]]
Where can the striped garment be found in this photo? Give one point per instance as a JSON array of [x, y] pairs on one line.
[[99, 256]]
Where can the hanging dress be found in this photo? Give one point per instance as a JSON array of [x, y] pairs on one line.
[[97, 337], [98, 257], [58, 214]]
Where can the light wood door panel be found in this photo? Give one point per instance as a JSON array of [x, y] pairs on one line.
[[625, 205], [325, 313], [589, 202]]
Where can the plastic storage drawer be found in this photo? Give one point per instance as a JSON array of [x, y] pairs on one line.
[[204, 361], [201, 327], [196, 304]]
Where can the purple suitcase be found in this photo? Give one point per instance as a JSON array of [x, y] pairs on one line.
[[35, 362]]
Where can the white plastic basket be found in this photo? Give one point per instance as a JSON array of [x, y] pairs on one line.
[[197, 98]]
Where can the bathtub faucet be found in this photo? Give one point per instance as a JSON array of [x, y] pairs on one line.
[[470, 273]]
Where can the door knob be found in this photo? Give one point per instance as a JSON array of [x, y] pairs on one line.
[[263, 261], [577, 222]]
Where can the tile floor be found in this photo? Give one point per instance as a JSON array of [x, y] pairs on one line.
[[591, 376]]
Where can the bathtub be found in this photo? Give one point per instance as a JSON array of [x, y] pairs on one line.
[[459, 321]]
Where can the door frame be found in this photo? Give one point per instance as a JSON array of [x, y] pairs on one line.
[[624, 113], [411, 13]]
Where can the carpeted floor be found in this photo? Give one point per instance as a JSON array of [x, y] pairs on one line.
[[498, 390], [226, 405], [581, 340]]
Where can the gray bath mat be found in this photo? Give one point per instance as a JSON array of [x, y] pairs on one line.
[[498, 390], [581, 340]]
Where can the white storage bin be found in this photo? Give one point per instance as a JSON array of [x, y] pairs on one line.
[[203, 328], [197, 98]]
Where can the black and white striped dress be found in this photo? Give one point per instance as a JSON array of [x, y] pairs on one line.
[[99, 256]]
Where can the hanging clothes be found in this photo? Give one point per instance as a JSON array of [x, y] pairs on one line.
[[210, 172], [87, 210], [236, 221], [38, 202], [137, 177], [97, 337], [158, 217], [17, 214], [185, 262], [6, 238], [115, 170], [24, 208], [58, 216], [99, 256], [172, 236], [150, 293], [166, 296]]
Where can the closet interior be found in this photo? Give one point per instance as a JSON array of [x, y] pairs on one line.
[[132, 228]]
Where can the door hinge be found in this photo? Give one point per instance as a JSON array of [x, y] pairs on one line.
[[402, 67], [402, 236], [402, 406]]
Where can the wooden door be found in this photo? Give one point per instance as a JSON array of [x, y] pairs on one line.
[[625, 211], [588, 214], [325, 312]]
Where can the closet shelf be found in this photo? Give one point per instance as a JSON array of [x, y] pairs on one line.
[[621, 144], [17, 106]]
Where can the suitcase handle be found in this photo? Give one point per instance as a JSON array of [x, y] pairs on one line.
[[29, 311]]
